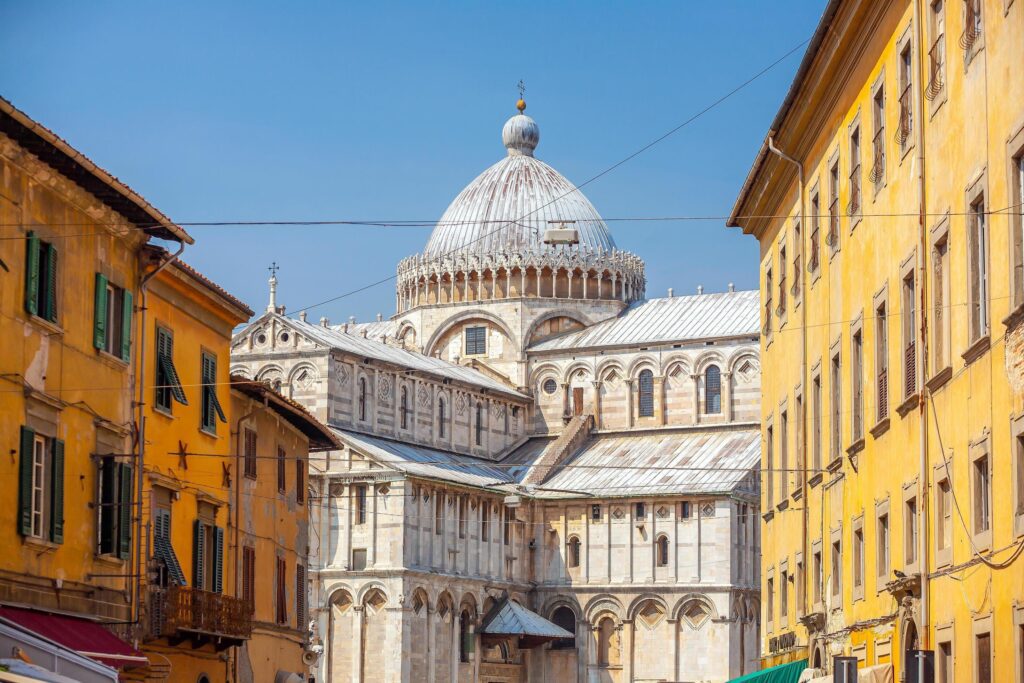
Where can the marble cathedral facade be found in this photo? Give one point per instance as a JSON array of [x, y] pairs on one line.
[[546, 476]]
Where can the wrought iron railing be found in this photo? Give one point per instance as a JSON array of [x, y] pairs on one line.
[[833, 222], [936, 60], [180, 608], [853, 206], [878, 165], [906, 118], [972, 24]]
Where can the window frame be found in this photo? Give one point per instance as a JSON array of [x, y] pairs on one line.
[[712, 390], [883, 544], [282, 469], [911, 528], [940, 293], [858, 557], [857, 372], [834, 213], [478, 345], [645, 393], [879, 151], [943, 523], [936, 91], [909, 347], [42, 274], [982, 511], [979, 270], [906, 117], [814, 249], [835, 403], [1015, 181], [1017, 466], [211, 409], [855, 176]]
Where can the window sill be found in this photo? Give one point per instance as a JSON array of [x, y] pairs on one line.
[[983, 541], [855, 220], [163, 412], [798, 493], [815, 480], [1015, 316], [977, 349], [939, 379], [943, 558], [109, 559], [909, 404], [40, 544], [835, 465], [209, 433], [881, 427], [51, 327], [768, 516], [782, 505], [111, 359], [855, 447]]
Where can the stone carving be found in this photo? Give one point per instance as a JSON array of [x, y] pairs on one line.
[[460, 404], [384, 391], [423, 397], [342, 375]]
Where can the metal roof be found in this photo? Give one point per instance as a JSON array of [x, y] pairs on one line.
[[652, 463], [426, 462], [508, 206], [369, 348], [519, 461], [671, 319], [512, 619], [375, 329]]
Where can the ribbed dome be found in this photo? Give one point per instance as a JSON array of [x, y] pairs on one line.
[[508, 206]]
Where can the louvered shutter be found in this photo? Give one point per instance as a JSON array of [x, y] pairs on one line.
[[210, 370], [99, 331], [32, 274], [300, 597], [51, 284], [124, 509], [108, 509], [28, 437], [126, 325], [57, 493], [218, 559], [198, 554]]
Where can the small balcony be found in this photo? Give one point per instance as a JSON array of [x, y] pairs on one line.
[[180, 614]]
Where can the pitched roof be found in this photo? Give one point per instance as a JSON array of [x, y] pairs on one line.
[[160, 253], [69, 162], [670, 319], [320, 436], [509, 618]]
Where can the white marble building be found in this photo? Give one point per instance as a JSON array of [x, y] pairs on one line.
[[529, 443]]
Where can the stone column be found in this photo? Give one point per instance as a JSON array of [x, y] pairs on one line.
[[586, 281], [566, 406], [659, 395], [371, 560], [568, 283], [522, 282], [537, 271], [675, 648], [357, 644], [431, 644], [629, 402], [627, 649], [727, 396], [373, 399], [696, 398], [597, 403]]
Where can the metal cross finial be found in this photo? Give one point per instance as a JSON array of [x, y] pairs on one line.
[[273, 269], [522, 89]]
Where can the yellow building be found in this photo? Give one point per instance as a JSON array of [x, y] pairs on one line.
[[69, 277], [887, 202]]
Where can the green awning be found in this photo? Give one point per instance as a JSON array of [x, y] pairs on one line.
[[783, 673]]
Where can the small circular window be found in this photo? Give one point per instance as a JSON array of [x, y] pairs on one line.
[[550, 386], [285, 336], [261, 338]]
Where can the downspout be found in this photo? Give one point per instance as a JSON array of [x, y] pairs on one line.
[[803, 371], [140, 460], [922, 477], [237, 483]]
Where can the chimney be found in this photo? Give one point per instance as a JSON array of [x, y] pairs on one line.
[[700, 289], [379, 317], [324, 322], [671, 293], [732, 287]]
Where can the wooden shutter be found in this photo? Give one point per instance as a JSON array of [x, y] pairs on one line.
[[28, 437], [126, 325], [300, 597], [198, 555], [32, 274], [218, 559], [249, 576], [300, 479], [51, 284], [124, 509], [282, 603], [57, 492], [108, 508], [99, 330]]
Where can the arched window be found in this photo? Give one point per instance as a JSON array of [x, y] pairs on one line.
[[440, 417], [362, 398], [573, 551], [564, 617], [479, 423], [662, 550], [405, 408], [607, 643], [465, 637], [646, 397], [712, 390]]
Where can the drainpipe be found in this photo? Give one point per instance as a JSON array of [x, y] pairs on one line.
[[922, 477], [237, 483], [803, 368], [140, 459]]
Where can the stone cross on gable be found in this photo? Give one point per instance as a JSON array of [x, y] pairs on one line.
[[272, 306]]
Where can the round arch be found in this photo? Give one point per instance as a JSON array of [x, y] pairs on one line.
[[642, 363], [638, 602], [364, 592], [551, 315], [685, 601], [609, 366], [474, 314], [601, 604], [745, 353], [673, 362], [705, 359]]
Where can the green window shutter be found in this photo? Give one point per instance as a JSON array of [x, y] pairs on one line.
[[198, 554], [108, 510], [99, 332], [218, 559], [28, 437], [124, 509], [51, 284], [126, 325], [32, 274], [57, 493]]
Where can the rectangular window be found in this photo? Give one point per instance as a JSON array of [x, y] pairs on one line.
[[462, 517], [878, 142], [1017, 220], [211, 405], [282, 464], [783, 455], [41, 487], [207, 554], [944, 663], [168, 385], [249, 576], [507, 533], [837, 569], [816, 423], [249, 453], [281, 576], [359, 493], [595, 512], [909, 301], [358, 559], [858, 558], [814, 248], [686, 509], [983, 658], [770, 607], [769, 479], [833, 205], [40, 278], [300, 480], [438, 513], [300, 597], [818, 568], [881, 362], [1018, 448], [114, 508], [112, 330], [940, 304], [882, 550], [797, 261], [982, 496], [857, 390], [782, 282], [970, 39], [800, 587], [783, 596], [769, 285], [799, 436], [937, 51], [485, 521], [855, 204], [476, 341], [977, 236], [905, 82], [943, 517], [837, 404], [910, 532], [640, 510]]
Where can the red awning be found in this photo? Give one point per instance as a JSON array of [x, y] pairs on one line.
[[85, 637]]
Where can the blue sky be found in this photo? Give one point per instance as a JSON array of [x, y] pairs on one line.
[[380, 111]]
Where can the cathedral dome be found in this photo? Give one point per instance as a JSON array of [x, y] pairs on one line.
[[508, 207]]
